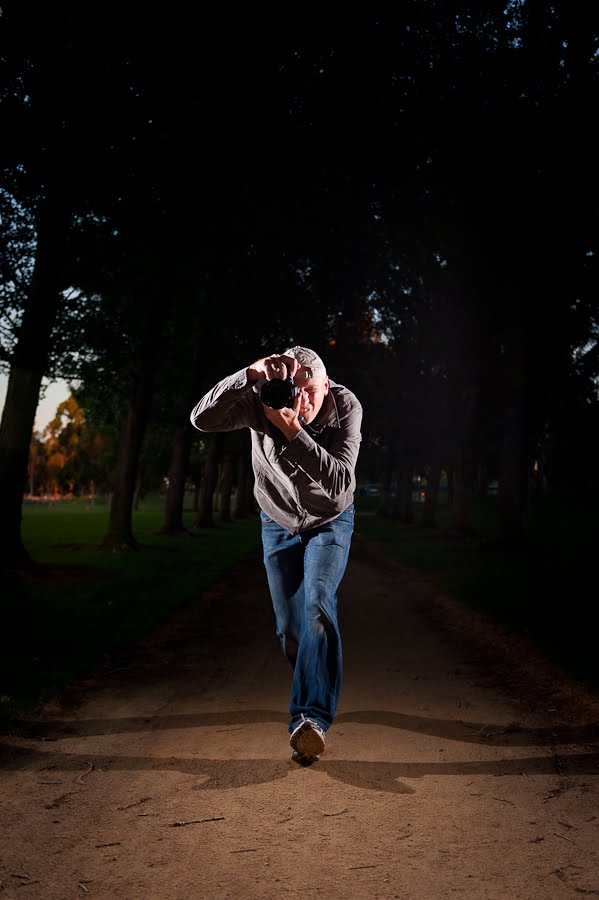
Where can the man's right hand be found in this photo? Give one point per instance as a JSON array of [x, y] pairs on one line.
[[276, 366]]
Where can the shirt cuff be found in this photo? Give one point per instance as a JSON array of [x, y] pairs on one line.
[[299, 448]]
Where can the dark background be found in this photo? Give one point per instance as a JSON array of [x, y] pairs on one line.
[[411, 193]]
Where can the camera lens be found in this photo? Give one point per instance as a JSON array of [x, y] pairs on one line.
[[278, 393]]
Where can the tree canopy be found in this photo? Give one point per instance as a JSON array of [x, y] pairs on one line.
[[411, 192]]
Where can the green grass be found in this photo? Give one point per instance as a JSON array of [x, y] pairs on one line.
[[85, 605], [545, 590]]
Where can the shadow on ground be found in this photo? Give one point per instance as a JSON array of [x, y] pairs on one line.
[[371, 775]]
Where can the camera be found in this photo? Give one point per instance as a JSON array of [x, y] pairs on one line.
[[279, 393]]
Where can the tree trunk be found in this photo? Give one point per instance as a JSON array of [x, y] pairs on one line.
[[196, 495], [205, 518], [512, 481], [242, 505], [138, 491], [450, 470], [120, 528], [29, 364], [463, 476], [226, 487], [175, 494], [385, 504], [512, 462], [250, 500], [512, 466], [216, 494], [433, 479], [482, 480], [402, 508], [182, 441], [462, 494]]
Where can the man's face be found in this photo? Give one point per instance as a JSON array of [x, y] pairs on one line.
[[313, 392]]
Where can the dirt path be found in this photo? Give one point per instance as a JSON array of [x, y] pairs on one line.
[[455, 767]]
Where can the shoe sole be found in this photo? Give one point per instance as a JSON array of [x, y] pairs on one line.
[[309, 743]]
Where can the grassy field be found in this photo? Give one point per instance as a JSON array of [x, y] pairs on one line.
[[84, 605], [545, 590]]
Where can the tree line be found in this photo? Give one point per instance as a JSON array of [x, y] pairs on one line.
[[411, 193], [75, 458]]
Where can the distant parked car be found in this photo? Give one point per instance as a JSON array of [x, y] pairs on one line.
[[369, 490]]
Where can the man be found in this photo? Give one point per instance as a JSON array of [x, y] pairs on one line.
[[304, 457]]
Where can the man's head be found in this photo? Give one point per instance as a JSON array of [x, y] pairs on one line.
[[311, 378]]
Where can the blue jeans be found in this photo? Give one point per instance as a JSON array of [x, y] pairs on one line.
[[304, 572]]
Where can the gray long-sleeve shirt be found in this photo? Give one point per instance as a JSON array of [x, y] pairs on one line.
[[301, 483]]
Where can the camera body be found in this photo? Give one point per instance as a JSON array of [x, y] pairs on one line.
[[279, 393]]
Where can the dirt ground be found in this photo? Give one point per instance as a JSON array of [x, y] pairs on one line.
[[458, 766]]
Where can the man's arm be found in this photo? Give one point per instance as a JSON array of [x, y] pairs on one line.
[[228, 406], [231, 404], [332, 469]]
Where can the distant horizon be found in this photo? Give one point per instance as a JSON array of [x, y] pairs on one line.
[[55, 393]]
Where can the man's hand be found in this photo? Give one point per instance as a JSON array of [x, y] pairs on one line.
[[286, 420], [276, 366]]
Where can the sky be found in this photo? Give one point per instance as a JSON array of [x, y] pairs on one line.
[[55, 393]]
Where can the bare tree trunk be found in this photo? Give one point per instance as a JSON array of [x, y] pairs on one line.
[[462, 494], [512, 481], [196, 495], [242, 505], [402, 508], [217, 489], [433, 479], [463, 476], [226, 486], [512, 464], [450, 470], [385, 504], [28, 367], [482, 478], [181, 448], [120, 528], [205, 518], [250, 500], [175, 494], [138, 491]]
